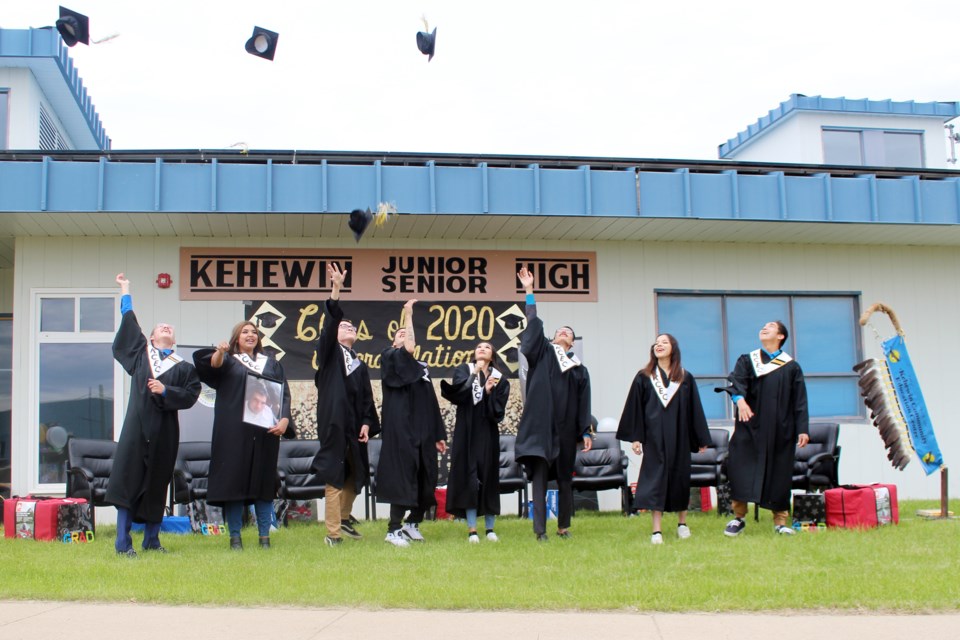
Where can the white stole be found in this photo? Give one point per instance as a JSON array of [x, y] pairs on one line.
[[665, 394], [566, 362], [254, 365], [762, 369], [350, 363], [477, 388], [159, 365]]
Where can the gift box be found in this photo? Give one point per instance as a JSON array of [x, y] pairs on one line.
[[68, 520], [296, 511], [204, 518], [724, 501], [440, 494], [809, 507], [553, 502]]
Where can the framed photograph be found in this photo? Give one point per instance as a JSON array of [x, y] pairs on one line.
[[262, 401]]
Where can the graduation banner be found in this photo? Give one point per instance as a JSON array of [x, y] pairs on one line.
[[446, 332], [892, 393]]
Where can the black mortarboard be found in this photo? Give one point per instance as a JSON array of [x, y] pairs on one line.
[[263, 43], [359, 221], [512, 321], [268, 319], [73, 27], [426, 42], [510, 355]]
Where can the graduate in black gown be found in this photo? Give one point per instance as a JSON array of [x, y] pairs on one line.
[[556, 414], [161, 384], [771, 421], [346, 416], [413, 433], [480, 393], [243, 456], [664, 421]]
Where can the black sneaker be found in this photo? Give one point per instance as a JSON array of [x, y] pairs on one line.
[[735, 527], [348, 530], [332, 542], [235, 543], [565, 534], [157, 549], [129, 553], [542, 537]]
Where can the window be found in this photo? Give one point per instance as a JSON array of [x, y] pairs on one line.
[[873, 147], [4, 115], [715, 329], [75, 381]]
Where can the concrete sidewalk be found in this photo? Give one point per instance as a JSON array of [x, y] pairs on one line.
[[30, 620]]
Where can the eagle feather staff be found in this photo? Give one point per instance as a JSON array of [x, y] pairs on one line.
[[891, 391]]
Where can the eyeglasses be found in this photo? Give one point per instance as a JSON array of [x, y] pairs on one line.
[[347, 326]]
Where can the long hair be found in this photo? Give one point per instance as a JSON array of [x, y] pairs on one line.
[[676, 369], [494, 361], [235, 338]]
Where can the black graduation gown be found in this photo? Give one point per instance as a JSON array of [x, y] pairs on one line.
[[760, 462], [474, 480], [243, 457], [556, 414], [668, 435], [344, 404], [412, 426], [147, 450]]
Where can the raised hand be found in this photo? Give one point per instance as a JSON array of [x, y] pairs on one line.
[[526, 279]]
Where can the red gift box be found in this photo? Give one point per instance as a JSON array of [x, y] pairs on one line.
[[862, 506]]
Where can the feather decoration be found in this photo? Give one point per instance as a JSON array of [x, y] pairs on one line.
[[384, 211], [877, 390]]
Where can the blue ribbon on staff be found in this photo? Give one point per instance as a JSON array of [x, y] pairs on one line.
[[912, 406]]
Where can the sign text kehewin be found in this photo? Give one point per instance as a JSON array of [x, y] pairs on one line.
[[225, 273]]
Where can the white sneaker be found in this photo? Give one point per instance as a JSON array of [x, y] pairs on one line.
[[492, 537], [412, 532], [656, 538], [396, 539], [683, 531], [473, 538], [784, 531]]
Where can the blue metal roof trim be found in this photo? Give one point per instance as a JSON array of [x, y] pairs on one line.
[[47, 43], [798, 102], [663, 189]]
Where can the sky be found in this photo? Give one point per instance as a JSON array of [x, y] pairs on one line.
[[607, 78]]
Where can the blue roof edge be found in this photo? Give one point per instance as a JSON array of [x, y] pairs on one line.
[[45, 42], [799, 102]]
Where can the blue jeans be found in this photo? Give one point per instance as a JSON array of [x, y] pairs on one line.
[[151, 532], [233, 514], [488, 520]]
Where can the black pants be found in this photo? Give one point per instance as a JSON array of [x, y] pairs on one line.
[[425, 499], [540, 473]]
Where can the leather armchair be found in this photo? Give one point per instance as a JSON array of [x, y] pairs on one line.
[[815, 466], [297, 480], [89, 463], [512, 477], [603, 467], [190, 472], [373, 455]]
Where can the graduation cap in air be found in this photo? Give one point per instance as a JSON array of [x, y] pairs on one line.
[[426, 42], [263, 43], [268, 319], [512, 321], [359, 221], [73, 27]]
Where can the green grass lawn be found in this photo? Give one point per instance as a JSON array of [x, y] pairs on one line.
[[608, 564]]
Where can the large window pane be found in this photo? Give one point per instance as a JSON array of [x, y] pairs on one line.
[[6, 343], [746, 315], [824, 339], [696, 323], [6, 386], [902, 149], [842, 147], [76, 398], [56, 314], [832, 397], [96, 314], [714, 404], [4, 111]]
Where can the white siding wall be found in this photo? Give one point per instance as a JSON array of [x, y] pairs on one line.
[[24, 110], [921, 283], [797, 139]]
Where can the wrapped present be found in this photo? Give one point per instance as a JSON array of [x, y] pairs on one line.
[[724, 501], [297, 511], [205, 519], [69, 520], [809, 507]]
